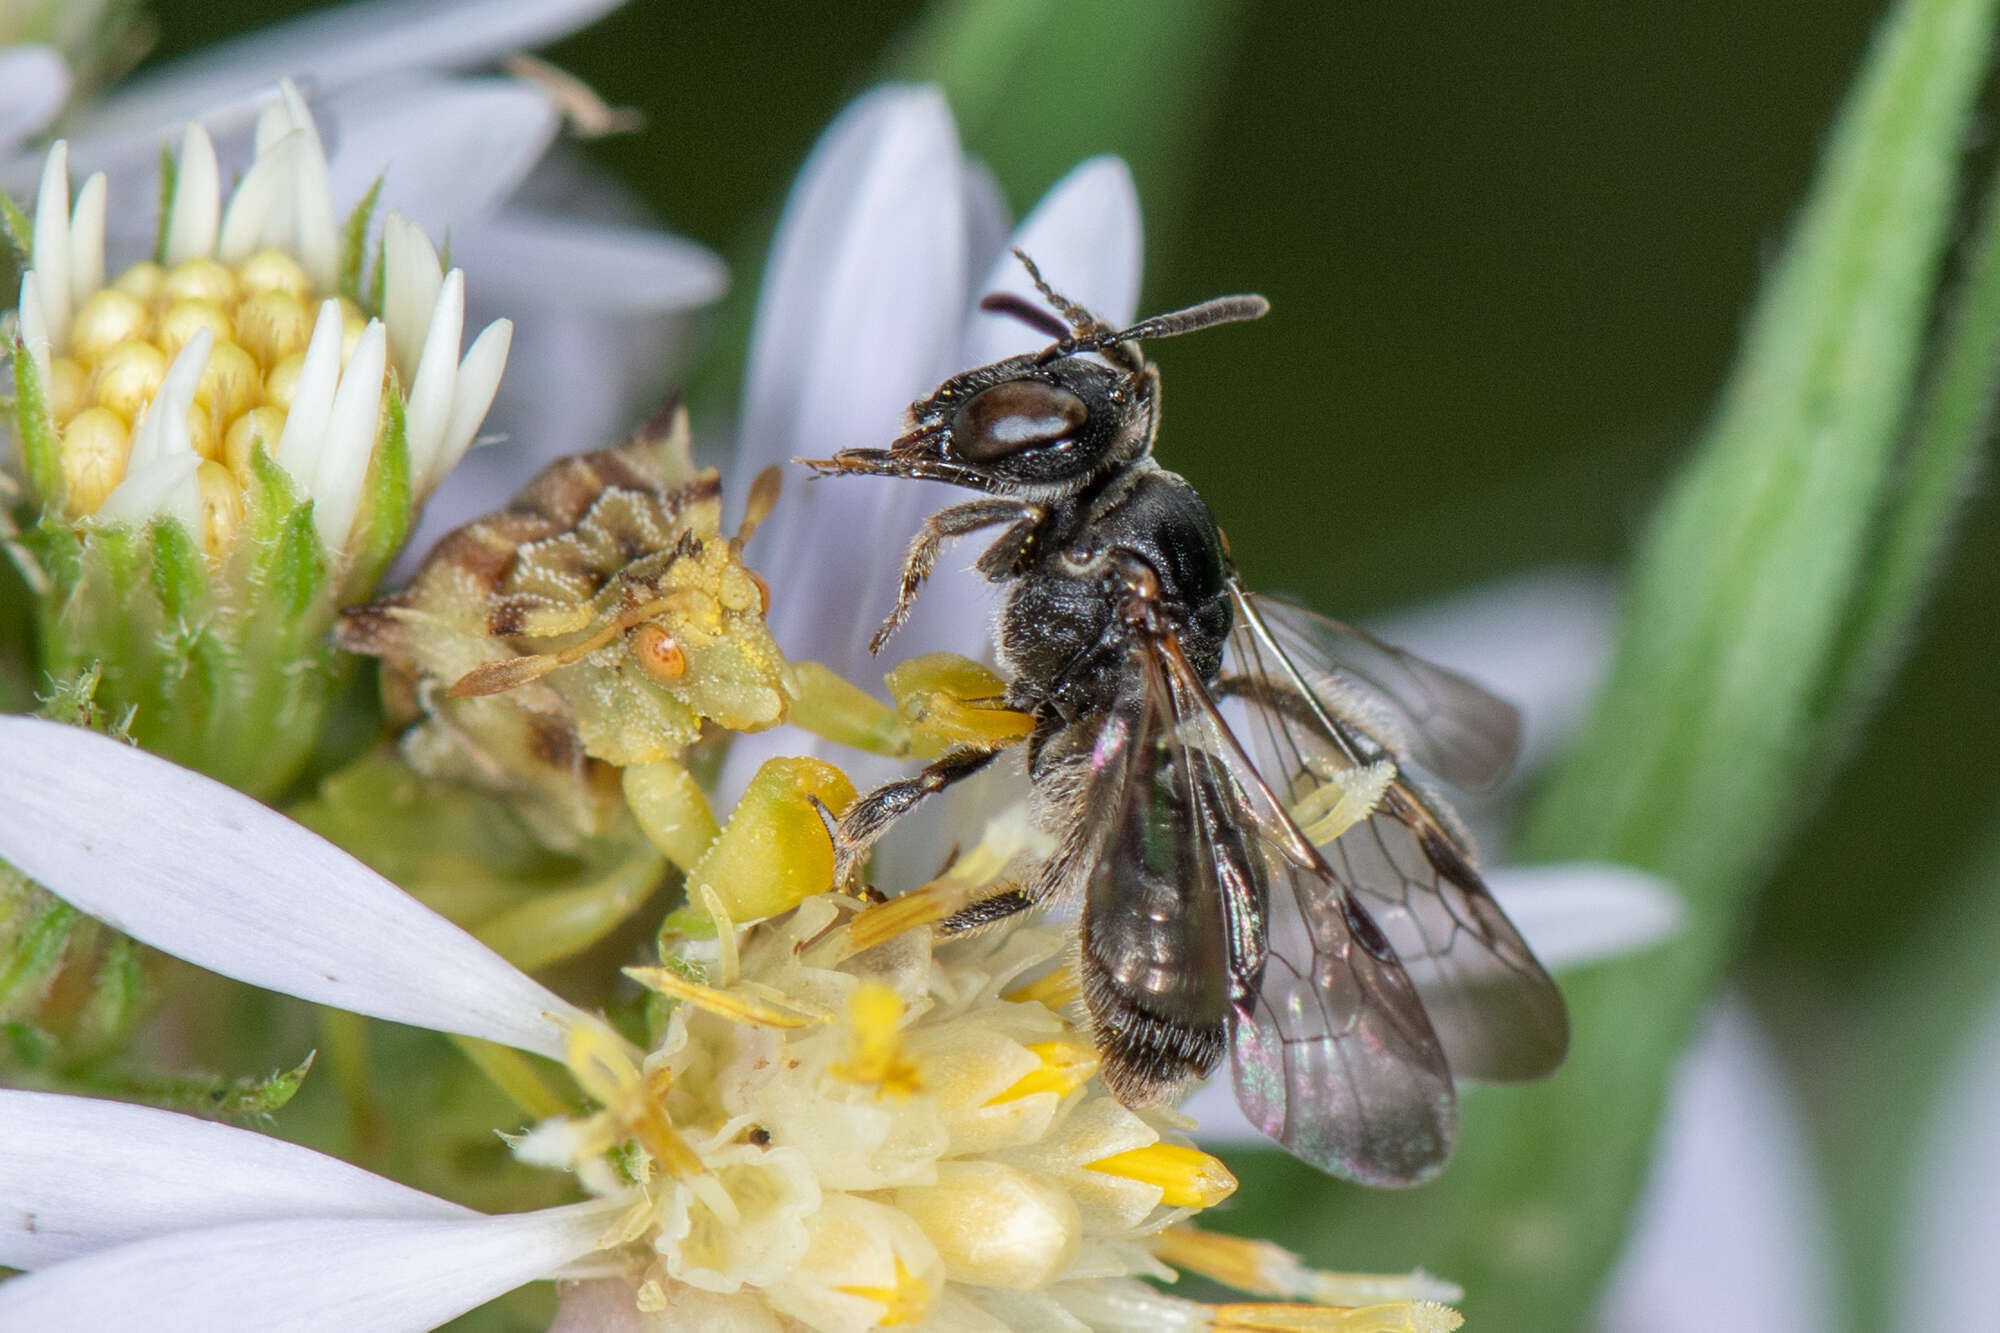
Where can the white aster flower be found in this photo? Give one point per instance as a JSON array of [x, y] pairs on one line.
[[842, 1128], [598, 299]]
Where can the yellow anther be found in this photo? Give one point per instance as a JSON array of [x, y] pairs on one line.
[[200, 279], [272, 325], [603, 1066], [875, 1056], [1261, 1268], [738, 1005], [258, 425], [1344, 799], [1055, 989], [185, 318], [774, 851], [128, 376], [274, 271], [230, 383], [143, 280], [1187, 1177], [282, 380], [882, 922], [95, 445], [955, 698], [1065, 1067], [69, 388], [903, 1303], [1397, 1317], [108, 318], [221, 507]]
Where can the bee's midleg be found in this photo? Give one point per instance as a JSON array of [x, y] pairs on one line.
[[871, 815]]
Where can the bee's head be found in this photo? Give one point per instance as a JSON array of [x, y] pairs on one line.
[[1043, 423]]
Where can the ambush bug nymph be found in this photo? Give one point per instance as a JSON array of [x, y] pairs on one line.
[[1316, 911]]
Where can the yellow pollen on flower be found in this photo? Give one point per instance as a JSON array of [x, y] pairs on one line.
[[1065, 1067], [1187, 1177], [121, 340], [875, 1056], [903, 1303], [1055, 989], [1262, 1268], [604, 1069], [1397, 1317], [738, 1005]]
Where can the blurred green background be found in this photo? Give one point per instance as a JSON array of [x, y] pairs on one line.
[[1510, 251]]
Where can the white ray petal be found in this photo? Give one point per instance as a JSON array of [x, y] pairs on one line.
[[161, 431], [261, 201], [411, 278], [858, 315], [1944, 1276], [436, 375], [51, 256], [1580, 912], [201, 871], [478, 380], [96, 1174], [1539, 640], [303, 440], [196, 215], [351, 427], [316, 233], [33, 84], [334, 47], [274, 122], [1085, 236], [1732, 1222], [594, 266], [360, 1275], [86, 240], [448, 151], [164, 486]]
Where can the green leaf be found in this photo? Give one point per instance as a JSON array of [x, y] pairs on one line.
[[388, 503], [16, 231], [1702, 749], [35, 428], [179, 572], [354, 247]]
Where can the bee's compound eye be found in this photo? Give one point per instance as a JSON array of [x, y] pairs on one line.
[[1011, 417]]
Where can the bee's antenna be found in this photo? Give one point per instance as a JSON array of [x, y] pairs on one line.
[[1036, 318], [1218, 310], [1082, 324]]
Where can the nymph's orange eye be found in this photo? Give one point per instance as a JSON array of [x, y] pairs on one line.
[[657, 653]]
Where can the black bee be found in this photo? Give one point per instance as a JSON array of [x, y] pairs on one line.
[[1350, 980]]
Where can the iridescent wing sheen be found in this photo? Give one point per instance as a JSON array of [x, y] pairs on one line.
[[1332, 1055], [1432, 716], [1499, 1016]]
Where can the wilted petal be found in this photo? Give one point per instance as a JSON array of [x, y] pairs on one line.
[[337, 46], [199, 870], [360, 1275], [1732, 1224], [1583, 912], [93, 1174], [33, 83]]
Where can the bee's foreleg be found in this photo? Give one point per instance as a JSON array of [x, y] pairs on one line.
[[941, 527]]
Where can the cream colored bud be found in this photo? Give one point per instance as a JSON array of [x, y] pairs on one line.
[[94, 448], [128, 376], [230, 383], [274, 271], [184, 318], [108, 318], [68, 388], [202, 434], [271, 325], [260, 425], [202, 280], [143, 280], [995, 1225], [282, 380], [221, 507]]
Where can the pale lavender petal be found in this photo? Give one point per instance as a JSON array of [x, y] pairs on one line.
[[570, 263], [988, 224], [78, 1175], [1539, 640], [1580, 912], [337, 46], [201, 871], [447, 151], [33, 83], [858, 316], [360, 1275], [1085, 237], [1732, 1228], [1945, 1275]]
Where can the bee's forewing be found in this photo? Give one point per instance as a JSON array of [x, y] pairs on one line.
[[1332, 1055], [1498, 1014]]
